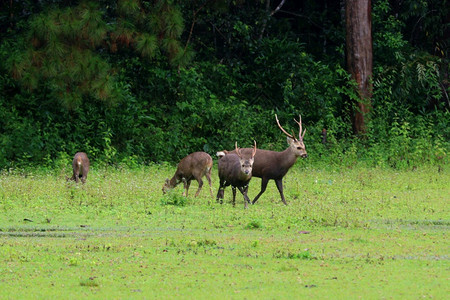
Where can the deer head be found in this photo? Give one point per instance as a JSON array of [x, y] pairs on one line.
[[296, 145], [246, 162]]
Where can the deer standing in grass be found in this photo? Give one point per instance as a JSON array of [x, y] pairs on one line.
[[236, 170], [274, 165], [194, 166], [80, 166]]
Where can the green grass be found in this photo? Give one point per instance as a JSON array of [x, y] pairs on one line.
[[350, 233]]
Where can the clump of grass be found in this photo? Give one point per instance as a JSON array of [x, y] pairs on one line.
[[73, 261], [305, 255], [254, 224], [174, 199], [358, 240], [255, 244], [90, 282], [204, 243]]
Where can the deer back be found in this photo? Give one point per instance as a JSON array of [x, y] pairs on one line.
[[192, 165], [81, 163], [271, 164], [197, 163]]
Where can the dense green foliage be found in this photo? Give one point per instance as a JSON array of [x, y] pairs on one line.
[[150, 81]]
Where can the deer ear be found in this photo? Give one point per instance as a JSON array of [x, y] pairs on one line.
[[289, 140]]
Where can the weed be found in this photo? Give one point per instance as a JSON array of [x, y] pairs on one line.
[[304, 255], [207, 243], [254, 224], [90, 282], [73, 261], [174, 199]]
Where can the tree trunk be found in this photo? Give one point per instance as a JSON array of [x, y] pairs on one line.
[[359, 56]]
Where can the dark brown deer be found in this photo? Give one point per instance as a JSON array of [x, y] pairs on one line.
[[274, 165], [236, 170], [80, 166], [194, 166]]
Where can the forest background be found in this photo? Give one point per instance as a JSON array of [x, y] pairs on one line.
[[136, 82]]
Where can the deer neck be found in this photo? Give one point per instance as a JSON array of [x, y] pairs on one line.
[[174, 181], [289, 157], [244, 177]]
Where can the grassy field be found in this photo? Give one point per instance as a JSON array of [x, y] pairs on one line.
[[346, 234]]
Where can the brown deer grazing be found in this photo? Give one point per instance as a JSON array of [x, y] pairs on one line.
[[80, 166], [272, 164], [194, 166], [235, 170]]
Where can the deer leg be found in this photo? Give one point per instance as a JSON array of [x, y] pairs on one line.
[[83, 177], [219, 195], [220, 192], [208, 177], [186, 184], [244, 193], [200, 184], [76, 175], [264, 182], [234, 195], [279, 183], [187, 187]]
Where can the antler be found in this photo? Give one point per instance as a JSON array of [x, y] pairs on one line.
[[254, 149], [238, 151], [300, 135], [284, 131]]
